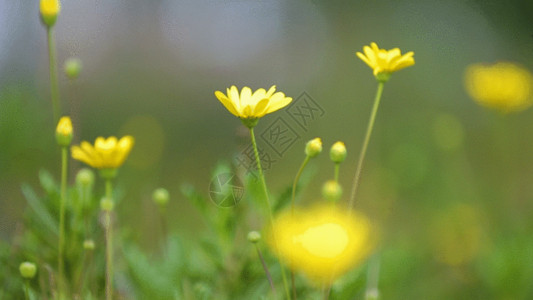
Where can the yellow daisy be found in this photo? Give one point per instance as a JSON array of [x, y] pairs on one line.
[[385, 61], [107, 153], [252, 106]]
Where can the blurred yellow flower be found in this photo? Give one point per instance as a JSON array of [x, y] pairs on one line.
[[385, 61], [504, 86], [107, 153], [49, 10], [248, 105], [323, 242]]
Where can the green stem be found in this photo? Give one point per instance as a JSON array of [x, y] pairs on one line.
[[296, 179], [265, 268], [271, 218], [109, 244], [369, 128], [293, 200], [54, 90], [27, 289], [62, 200], [372, 291]]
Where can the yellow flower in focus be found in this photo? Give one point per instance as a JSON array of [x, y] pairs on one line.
[[64, 131], [252, 106], [49, 11], [107, 153], [323, 242], [385, 61], [504, 86]]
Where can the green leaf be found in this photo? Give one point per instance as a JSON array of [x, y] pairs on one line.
[[40, 210]]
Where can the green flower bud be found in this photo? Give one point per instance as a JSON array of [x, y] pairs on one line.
[[254, 237], [85, 177], [28, 270], [64, 132], [313, 147], [72, 67], [160, 197], [88, 245], [106, 204], [332, 190], [337, 153]]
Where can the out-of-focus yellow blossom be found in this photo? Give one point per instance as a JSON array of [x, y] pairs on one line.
[[64, 131], [107, 153], [504, 86], [323, 242], [250, 106], [49, 10], [385, 61], [457, 235]]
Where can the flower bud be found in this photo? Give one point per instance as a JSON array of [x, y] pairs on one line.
[[160, 197], [313, 147], [106, 204], [337, 153], [72, 67], [49, 10], [332, 190], [27, 270], [254, 237], [88, 245], [85, 177], [64, 132]]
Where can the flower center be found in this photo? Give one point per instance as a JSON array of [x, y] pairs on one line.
[[327, 240]]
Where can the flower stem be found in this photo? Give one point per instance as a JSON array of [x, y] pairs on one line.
[[54, 90], [265, 267], [109, 244], [372, 291], [271, 218], [296, 179], [337, 168], [27, 289], [369, 128], [62, 200]]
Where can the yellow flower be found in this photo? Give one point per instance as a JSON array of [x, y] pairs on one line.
[[64, 131], [105, 154], [385, 61], [49, 11], [504, 86], [252, 106], [323, 242]]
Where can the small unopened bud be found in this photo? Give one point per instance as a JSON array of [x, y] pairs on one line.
[[64, 132], [254, 237], [160, 197], [337, 153], [88, 245], [49, 10], [72, 67], [313, 147], [27, 269], [85, 177], [332, 190], [106, 204]]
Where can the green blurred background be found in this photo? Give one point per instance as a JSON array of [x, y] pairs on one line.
[[449, 181]]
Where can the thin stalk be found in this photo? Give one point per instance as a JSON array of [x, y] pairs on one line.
[[62, 200], [270, 217], [109, 244], [296, 179], [337, 168], [265, 267], [369, 128], [327, 291], [164, 230], [27, 289], [54, 89], [293, 200], [372, 291]]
